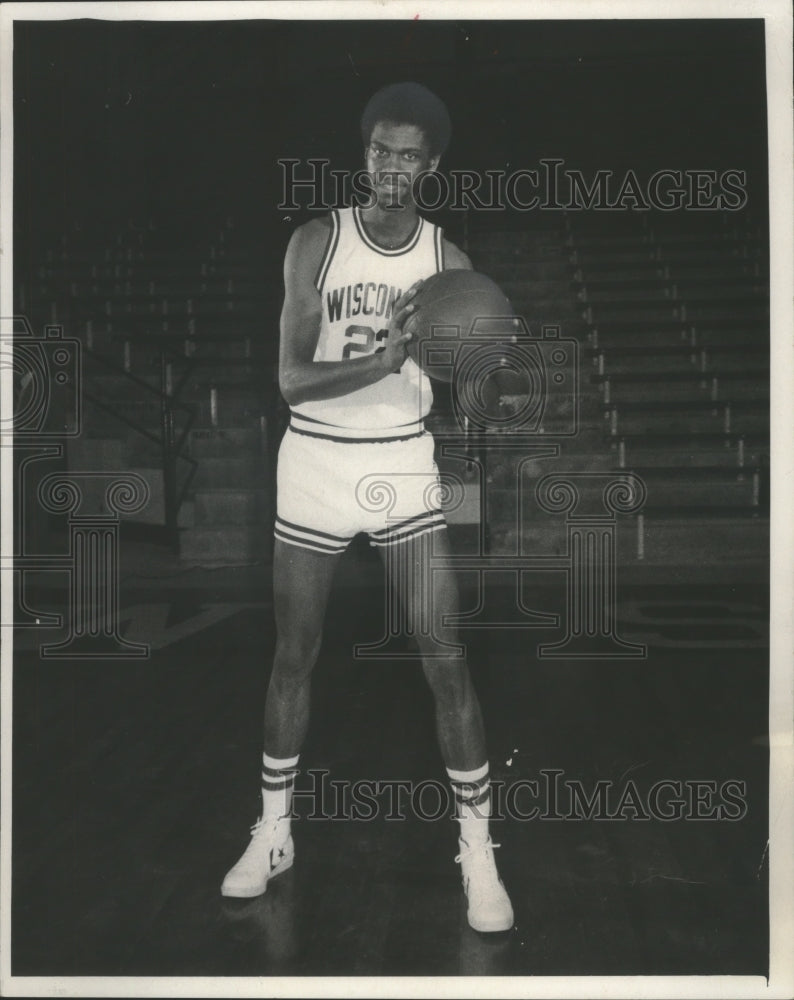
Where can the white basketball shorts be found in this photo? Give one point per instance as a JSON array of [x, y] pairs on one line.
[[330, 490]]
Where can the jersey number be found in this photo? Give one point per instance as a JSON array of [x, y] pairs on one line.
[[362, 346]]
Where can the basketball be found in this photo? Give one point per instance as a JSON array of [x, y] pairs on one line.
[[447, 305]]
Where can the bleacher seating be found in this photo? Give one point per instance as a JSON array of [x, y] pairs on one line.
[[179, 342], [671, 314], [677, 323]]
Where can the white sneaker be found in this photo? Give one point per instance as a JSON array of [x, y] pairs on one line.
[[270, 853], [489, 904]]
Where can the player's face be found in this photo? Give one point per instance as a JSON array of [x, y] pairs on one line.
[[396, 155]]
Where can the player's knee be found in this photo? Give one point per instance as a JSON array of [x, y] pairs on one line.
[[295, 656], [442, 645]]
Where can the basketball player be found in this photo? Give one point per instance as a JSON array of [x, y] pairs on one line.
[[357, 404]]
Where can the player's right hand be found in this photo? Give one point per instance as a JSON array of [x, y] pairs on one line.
[[394, 351]]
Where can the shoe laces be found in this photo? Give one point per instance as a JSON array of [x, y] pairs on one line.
[[262, 824], [481, 878], [477, 849]]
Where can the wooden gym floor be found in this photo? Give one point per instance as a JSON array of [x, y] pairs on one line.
[[135, 783]]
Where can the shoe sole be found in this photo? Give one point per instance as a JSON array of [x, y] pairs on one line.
[[494, 928], [253, 893]]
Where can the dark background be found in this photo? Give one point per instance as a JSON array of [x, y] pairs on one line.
[[183, 123]]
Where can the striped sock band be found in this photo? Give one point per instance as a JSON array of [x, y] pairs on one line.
[[278, 781], [472, 792]]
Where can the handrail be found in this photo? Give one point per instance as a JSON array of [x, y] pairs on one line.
[[268, 405], [120, 416], [171, 450]]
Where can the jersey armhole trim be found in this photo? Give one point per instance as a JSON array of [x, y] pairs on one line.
[[328, 253], [439, 249]]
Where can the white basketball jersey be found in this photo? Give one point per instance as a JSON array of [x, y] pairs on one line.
[[359, 282]]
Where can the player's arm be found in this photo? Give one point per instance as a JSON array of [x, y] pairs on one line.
[[300, 377], [455, 257]]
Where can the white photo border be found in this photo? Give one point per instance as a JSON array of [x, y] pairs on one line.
[[777, 15]]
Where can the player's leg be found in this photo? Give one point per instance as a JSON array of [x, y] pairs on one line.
[[420, 571], [302, 581]]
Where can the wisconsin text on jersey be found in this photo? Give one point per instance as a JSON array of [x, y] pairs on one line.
[[368, 298]]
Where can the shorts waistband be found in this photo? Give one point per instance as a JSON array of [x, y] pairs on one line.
[[354, 435]]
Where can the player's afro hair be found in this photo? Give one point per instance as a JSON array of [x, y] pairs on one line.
[[409, 104]]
